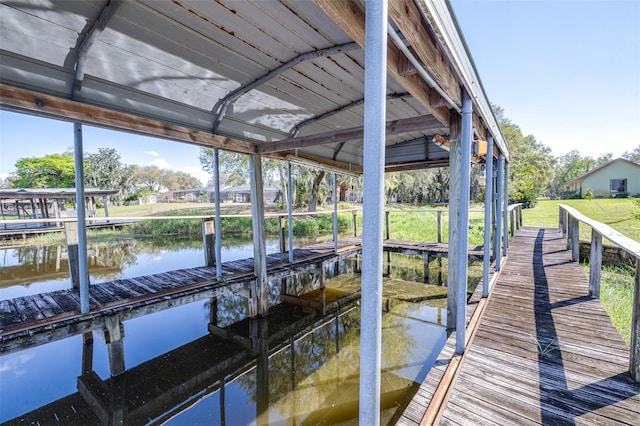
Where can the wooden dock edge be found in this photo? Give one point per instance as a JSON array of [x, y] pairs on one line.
[[438, 402]]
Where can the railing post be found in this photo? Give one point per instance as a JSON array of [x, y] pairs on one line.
[[71, 236], [569, 229], [439, 219], [355, 223], [512, 225], [560, 220], [208, 235], [283, 247], [634, 358], [575, 239], [595, 264], [386, 220]]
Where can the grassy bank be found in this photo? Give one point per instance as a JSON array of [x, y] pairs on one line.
[[616, 292], [419, 223]]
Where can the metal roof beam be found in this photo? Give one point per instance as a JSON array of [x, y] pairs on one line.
[[30, 102], [395, 127], [86, 39], [222, 105], [296, 129]]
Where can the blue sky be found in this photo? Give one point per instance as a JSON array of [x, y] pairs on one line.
[[567, 72]]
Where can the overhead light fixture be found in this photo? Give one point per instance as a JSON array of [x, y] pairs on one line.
[[441, 141]]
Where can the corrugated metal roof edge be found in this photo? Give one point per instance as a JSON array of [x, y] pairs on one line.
[[435, 13]]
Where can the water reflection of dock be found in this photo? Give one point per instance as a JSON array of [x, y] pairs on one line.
[[275, 359], [28, 320], [164, 386]]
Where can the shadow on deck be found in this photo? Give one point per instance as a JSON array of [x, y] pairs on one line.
[[544, 352]]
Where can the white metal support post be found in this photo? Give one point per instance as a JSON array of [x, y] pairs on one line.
[[373, 206], [498, 237], [488, 201], [218, 231], [83, 264], [460, 168], [335, 213], [290, 211], [258, 300], [505, 211]]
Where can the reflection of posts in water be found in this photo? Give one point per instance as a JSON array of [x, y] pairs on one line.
[[292, 362], [213, 311], [440, 271], [426, 259], [107, 399], [337, 320], [113, 336], [259, 333], [389, 264], [223, 415], [58, 257], [87, 353], [323, 293]]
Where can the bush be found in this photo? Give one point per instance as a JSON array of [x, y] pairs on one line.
[[527, 198], [305, 227]]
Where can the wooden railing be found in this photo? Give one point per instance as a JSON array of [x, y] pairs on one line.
[[569, 224], [515, 217]]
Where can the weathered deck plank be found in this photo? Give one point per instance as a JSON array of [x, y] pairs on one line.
[[542, 298]]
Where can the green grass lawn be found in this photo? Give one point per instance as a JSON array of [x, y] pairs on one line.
[[615, 212], [617, 285]]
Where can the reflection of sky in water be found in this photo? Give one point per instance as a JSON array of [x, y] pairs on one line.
[[52, 370], [38, 376]]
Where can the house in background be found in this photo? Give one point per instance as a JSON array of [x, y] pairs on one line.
[[617, 178], [242, 193]]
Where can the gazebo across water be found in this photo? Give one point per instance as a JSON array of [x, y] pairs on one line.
[[48, 203]]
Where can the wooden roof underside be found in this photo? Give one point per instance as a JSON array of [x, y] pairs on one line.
[[284, 79]]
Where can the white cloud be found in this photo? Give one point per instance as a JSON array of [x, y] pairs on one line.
[[152, 153], [161, 163], [16, 365], [198, 173]]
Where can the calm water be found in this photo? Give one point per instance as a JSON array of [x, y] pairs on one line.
[[297, 365]]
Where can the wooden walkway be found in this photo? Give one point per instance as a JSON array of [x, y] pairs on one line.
[[34, 319], [543, 353], [25, 321]]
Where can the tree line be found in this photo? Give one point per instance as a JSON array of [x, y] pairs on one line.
[[104, 170], [534, 172]]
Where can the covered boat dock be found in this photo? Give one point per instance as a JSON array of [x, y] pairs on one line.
[[306, 82]]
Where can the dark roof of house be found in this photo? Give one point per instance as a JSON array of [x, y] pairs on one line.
[[26, 193], [592, 171]]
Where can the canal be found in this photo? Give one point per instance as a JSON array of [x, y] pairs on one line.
[[209, 363]]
